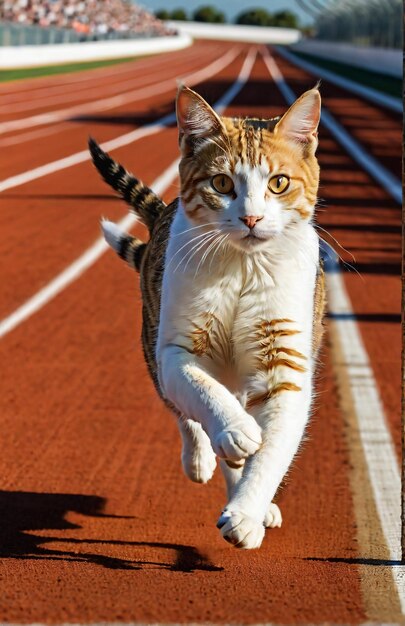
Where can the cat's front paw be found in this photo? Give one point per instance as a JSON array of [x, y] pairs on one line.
[[273, 518], [240, 530], [238, 441]]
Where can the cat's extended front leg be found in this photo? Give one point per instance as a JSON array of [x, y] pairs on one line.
[[234, 434], [283, 419], [233, 474]]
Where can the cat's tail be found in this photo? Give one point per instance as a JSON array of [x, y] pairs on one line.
[[144, 202], [129, 248]]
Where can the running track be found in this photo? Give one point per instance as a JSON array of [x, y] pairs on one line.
[[98, 522]]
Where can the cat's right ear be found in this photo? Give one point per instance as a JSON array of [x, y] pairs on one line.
[[195, 118]]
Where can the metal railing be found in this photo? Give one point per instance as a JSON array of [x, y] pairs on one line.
[[364, 22]]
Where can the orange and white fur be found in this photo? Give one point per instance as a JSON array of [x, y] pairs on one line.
[[241, 302]]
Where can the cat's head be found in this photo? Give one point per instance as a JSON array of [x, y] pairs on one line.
[[252, 179]]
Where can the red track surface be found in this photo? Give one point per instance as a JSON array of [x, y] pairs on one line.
[[98, 521]]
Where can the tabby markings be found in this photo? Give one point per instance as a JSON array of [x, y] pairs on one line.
[[267, 335], [209, 338], [201, 337], [268, 395], [269, 357]]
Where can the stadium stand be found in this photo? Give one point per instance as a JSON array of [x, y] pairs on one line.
[[92, 17]]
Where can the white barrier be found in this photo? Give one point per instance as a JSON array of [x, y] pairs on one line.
[[383, 60], [234, 32], [12, 57]]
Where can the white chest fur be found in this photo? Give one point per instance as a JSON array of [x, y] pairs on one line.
[[215, 308]]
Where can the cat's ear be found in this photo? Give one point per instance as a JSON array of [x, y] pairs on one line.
[[301, 121], [195, 117]]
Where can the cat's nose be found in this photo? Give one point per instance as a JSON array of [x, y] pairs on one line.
[[251, 220]]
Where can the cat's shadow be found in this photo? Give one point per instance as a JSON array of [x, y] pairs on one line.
[[25, 512]]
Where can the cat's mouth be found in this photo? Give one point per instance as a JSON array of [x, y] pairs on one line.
[[252, 237], [253, 240]]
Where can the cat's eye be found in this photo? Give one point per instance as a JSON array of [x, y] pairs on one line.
[[278, 184], [222, 183]]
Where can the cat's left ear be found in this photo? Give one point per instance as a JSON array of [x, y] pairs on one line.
[[195, 117], [301, 121]]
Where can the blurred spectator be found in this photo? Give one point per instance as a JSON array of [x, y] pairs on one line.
[[98, 17]]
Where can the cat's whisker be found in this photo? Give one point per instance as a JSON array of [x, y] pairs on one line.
[[194, 227], [345, 263], [194, 253], [221, 242], [206, 237], [190, 241], [206, 253], [349, 265], [337, 242], [204, 256]]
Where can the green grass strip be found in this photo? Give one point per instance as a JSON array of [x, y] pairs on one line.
[[33, 72], [376, 80]]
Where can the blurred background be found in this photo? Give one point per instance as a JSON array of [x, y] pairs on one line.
[[362, 22]]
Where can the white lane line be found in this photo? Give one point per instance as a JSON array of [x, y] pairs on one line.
[[76, 269], [39, 133], [81, 157], [388, 181], [122, 140], [379, 451], [375, 436], [76, 93], [390, 102], [116, 101], [92, 254], [35, 134]]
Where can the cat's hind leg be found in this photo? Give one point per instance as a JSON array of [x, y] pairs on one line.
[[198, 458]]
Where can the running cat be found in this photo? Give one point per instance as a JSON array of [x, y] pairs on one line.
[[233, 296]]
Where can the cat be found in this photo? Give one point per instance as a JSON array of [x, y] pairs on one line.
[[233, 296]]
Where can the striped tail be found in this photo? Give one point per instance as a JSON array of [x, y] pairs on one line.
[[128, 247], [145, 203]]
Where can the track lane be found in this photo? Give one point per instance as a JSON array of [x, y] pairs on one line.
[[110, 97], [379, 130], [144, 101], [149, 105], [86, 79], [304, 572], [353, 203], [32, 85], [58, 214], [52, 96]]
